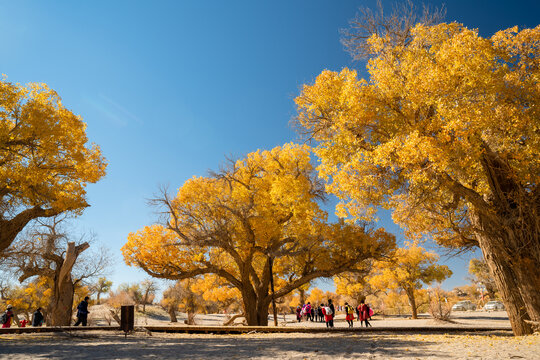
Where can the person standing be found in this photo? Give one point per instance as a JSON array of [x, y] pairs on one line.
[[364, 313], [333, 309], [307, 310], [37, 319], [7, 317], [298, 313], [349, 314], [82, 312]]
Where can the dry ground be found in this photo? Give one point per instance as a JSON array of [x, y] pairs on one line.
[[113, 345], [107, 345]]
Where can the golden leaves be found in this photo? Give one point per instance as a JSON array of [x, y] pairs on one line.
[[43, 149], [426, 113]]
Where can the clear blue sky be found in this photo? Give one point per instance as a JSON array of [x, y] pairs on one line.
[[168, 88]]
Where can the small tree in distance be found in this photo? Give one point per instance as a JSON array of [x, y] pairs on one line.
[[408, 269], [102, 286]]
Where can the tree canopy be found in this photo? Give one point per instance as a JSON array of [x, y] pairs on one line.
[[445, 132], [260, 210], [45, 162]]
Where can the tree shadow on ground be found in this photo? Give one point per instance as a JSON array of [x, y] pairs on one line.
[[220, 347]]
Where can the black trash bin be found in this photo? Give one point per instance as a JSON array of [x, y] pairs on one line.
[[127, 318]]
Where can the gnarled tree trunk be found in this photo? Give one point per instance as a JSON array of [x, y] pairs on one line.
[[509, 235], [62, 301], [506, 267], [256, 307]]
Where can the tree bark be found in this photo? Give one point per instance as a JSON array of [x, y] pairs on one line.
[[302, 294], [172, 314], [502, 268], [62, 301], [412, 301], [9, 229], [508, 232], [255, 307]]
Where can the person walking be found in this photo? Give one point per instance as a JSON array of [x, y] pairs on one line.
[[298, 313], [307, 310], [333, 309], [349, 314], [7, 317], [320, 314], [82, 312], [364, 313], [37, 318], [328, 315]]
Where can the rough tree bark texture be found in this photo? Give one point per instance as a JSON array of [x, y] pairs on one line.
[[62, 301], [502, 266], [412, 301], [508, 233], [9, 229]]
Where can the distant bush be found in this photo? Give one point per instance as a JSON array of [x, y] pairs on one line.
[[439, 308]]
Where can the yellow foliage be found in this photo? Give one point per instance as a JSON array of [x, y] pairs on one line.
[[26, 299], [316, 297], [408, 268], [414, 137], [260, 210], [43, 147]]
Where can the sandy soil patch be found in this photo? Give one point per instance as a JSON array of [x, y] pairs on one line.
[[107, 345]]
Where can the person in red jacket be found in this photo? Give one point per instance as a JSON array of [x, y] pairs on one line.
[[364, 313], [328, 315]]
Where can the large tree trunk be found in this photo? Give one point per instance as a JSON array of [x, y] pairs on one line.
[[412, 302], [302, 294], [61, 307], [508, 233], [255, 308], [503, 268], [62, 301]]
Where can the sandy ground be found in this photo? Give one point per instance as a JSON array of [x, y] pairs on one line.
[[140, 345], [157, 316], [107, 345]]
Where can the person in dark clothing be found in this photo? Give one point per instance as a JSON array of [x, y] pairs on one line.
[[37, 319], [82, 312], [331, 306], [320, 313], [7, 317]]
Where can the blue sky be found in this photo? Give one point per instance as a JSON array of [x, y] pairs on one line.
[[168, 88]]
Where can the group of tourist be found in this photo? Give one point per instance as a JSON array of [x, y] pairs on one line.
[[8, 317], [326, 313]]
